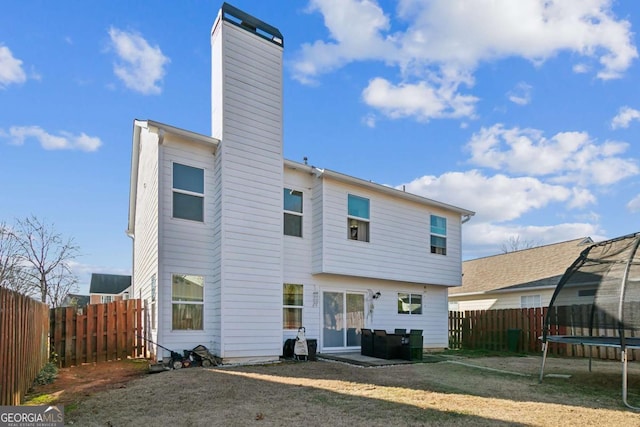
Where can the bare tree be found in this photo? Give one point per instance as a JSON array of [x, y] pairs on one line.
[[13, 275], [46, 255], [515, 244]]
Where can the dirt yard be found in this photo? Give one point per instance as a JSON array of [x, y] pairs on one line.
[[459, 391]]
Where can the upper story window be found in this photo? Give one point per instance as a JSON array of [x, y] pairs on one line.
[[358, 219], [292, 212], [438, 235], [188, 192], [409, 303], [187, 301]]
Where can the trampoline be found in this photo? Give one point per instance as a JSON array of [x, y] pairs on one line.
[[597, 302]]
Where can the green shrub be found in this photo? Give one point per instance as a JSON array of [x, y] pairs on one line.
[[47, 375]]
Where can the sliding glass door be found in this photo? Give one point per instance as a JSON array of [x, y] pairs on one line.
[[343, 319]]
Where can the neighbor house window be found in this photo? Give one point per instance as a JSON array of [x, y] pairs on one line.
[[292, 306], [187, 299], [188, 192], [587, 293], [358, 219], [530, 301], [438, 235], [106, 298], [409, 303], [292, 212]]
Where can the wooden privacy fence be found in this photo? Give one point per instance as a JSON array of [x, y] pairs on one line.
[[24, 349], [97, 332], [519, 330]]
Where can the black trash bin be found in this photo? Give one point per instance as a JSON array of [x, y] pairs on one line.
[[415, 344], [513, 339], [312, 347]]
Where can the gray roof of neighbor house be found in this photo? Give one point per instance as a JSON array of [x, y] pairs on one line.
[[541, 266], [109, 283]]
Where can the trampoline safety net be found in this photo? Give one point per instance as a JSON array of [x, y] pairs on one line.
[[599, 294]]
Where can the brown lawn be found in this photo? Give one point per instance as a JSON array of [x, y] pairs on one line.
[[456, 392]]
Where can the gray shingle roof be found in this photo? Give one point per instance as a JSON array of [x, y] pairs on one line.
[[528, 268], [108, 283]]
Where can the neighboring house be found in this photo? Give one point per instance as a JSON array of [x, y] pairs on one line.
[[236, 248], [108, 288], [75, 300], [519, 279]]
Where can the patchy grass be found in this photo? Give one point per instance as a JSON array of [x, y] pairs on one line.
[[333, 393]]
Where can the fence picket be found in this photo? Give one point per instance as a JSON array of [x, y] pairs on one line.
[[487, 329], [97, 333], [24, 330]]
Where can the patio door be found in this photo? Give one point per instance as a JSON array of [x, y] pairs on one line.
[[343, 319]]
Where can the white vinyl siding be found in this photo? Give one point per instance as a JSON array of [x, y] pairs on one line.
[[145, 244], [247, 110], [187, 246], [399, 248]]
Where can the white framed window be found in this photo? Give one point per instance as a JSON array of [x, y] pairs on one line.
[[292, 302], [292, 212], [530, 301], [106, 298], [409, 303], [187, 302], [188, 192], [438, 235], [358, 218]]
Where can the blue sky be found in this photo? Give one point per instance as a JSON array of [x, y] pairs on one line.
[[525, 112]]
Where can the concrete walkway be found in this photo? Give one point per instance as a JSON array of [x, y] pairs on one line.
[[356, 358]]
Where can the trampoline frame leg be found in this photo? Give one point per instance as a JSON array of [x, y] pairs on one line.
[[623, 354], [544, 359]]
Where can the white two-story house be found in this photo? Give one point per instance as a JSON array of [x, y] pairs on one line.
[[235, 247]]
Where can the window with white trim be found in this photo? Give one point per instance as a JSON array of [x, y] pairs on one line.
[[530, 301], [409, 303], [438, 235], [188, 192], [358, 218], [292, 212], [106, 298], [292, 302], [187, 302]]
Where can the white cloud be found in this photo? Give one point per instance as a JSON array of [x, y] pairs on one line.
[[141, 67], [438, 44], [567, 157], [356, 28], [495, 198], [484, 238], [11, 71], [369, 120], [17, 135], [499, 201], [625, 116], [418, 100], [521, 94], [634, 204], [581, 68]]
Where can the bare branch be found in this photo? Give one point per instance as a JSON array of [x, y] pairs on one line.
[[46, 256], [515, 244]]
